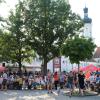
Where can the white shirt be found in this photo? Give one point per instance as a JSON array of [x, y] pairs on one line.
[[4, 76], [1, 80], [37, 80]]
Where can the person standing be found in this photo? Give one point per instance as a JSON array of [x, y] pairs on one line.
[[70, 81], [56, 80], [49, 79], [62, 79], [1, 80], [4, 83], [81, 78]]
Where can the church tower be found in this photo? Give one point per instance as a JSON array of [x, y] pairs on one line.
[[87, 24]]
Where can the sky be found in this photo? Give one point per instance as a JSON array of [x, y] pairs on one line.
[[93, 12], [76, 6]]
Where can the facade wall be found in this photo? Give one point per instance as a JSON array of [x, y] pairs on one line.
[[67, 66], [88, 30]]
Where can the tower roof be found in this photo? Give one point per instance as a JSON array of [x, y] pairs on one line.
[[85, 10], [86, 18]]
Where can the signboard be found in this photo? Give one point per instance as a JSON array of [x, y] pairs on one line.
[[57, 62]]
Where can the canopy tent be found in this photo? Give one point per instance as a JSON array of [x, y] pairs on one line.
[[88, 70]]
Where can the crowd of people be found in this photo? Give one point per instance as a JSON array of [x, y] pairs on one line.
[[28, 80]]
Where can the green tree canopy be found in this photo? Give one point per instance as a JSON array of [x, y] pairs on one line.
[[13, 43], [49, 23], [78, 49]]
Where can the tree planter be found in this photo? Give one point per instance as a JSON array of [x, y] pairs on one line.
[[86, 93]]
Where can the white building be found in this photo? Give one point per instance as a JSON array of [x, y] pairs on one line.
[[87, 24], [67, 66]]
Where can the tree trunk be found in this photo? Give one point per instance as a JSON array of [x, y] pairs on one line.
[[44, 66], [20, 65], [78, 81], [72, 67], [78, 68]]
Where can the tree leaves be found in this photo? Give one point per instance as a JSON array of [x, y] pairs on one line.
[[78, 49], [49, 23], [14, 46]]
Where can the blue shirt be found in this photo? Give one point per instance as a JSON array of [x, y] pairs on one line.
[[98, 79]]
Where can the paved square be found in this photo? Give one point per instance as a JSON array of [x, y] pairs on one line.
[[39, 95]]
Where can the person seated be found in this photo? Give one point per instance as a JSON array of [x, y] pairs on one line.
[[5, 79], [98, 84], [35, 82], [42, 83], [17, 82], [37, 79], [25, 83], [11, 82], [30, 82], [1, 80], [20, 80], [33, 86], [98, 79]]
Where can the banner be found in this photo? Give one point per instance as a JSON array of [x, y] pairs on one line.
[[57, 62]]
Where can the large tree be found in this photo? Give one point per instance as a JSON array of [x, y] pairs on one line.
[[49, 23], [78, 49], [13, 43]]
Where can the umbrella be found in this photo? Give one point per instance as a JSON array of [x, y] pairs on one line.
[[2, 68], [90, 68], [99, 69]]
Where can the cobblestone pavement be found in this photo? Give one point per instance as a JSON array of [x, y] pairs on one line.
[[39, 95]]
